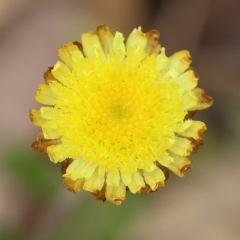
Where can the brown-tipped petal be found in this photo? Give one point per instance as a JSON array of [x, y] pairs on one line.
[[137, 39], [91, 45], [137, 182], [41, 144], [164, 170], [193, 129], [100, 195], [36, 118], [152, 45], [188, 79], [182, 147], [154, 178], [64, 75], [180, 61], [195, 145], [203, 100], [179, 165], [66, 51], [57, 153], [95, 182], [117, 194], [145, 189], [79, 46], [48, 75], [44, 94], [65, 165], [190, 114], [105, 38], [73, 186]]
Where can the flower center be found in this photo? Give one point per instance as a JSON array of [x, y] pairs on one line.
[[120, 116], [117, 110]]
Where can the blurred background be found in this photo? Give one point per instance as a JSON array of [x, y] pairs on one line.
[[204, 205]]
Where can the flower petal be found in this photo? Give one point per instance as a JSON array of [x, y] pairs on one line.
[[179, 165], [61, 72], [91, 46], [137, 182], [119, 46], [42, 144], [152, 45], [179, 61], [94, 183], [36, 118], [105, 38], [73, 186], [203, 100], [116, 195], [67, 51], [187, 80], [193, 129], [182, 147], [126, 178], [113, 179], [154, 179], [137, 39], [44, 94], [48, 75], [57, 153]]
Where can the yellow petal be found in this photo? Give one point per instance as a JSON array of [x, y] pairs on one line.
[[179, 165], [44, 94], [152, 45], [203, 101], [161, 62], [50, 131], [48, 113], [137, 39], [119, 46], [180, 61], [126, 178], [73, 186], [164, 159], [193, 129], [105, 38], [36, 118], [137, 182], [116, 195], [182, 147], [87, 171], [91, 46], [187, 80], [190, 101], [113, 179], [74, 168], [48, 75], [61, 72], [94, 183], [154, 178], [57, 153], [66, 52]]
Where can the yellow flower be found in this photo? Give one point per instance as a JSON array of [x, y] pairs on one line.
[[118, 115]]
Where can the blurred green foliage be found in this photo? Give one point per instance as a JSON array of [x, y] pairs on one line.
[[34, 171], [10, 234]]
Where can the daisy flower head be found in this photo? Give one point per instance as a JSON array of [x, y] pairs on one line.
[[118, 114]]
